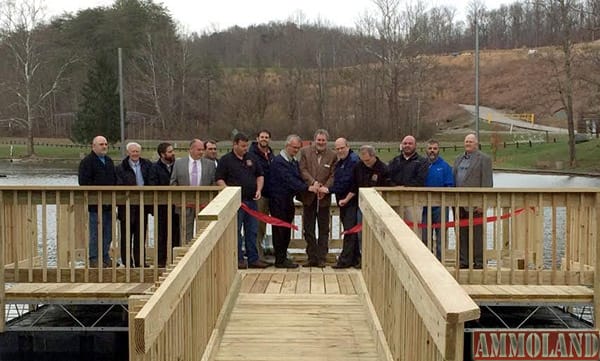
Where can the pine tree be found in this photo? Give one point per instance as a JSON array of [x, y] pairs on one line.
[[98, 114]]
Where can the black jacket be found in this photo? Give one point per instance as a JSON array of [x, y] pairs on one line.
[[93, 172], [376, 176], [409, 172], [126, 175], [265, 164], [159, 174]]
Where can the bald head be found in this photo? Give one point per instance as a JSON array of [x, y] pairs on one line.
[[409, 145], [100, 145]]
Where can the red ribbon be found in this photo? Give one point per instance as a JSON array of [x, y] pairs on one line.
[[268, 219], [463, 222]]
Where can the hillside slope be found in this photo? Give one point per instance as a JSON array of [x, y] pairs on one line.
[[511, 80]]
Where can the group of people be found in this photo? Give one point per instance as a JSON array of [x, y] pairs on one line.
[[269, 184]]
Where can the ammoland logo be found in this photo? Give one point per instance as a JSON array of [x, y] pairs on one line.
[[538, 344]]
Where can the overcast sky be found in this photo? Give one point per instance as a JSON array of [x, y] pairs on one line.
[[199, 15]]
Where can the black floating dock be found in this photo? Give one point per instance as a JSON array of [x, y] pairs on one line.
[[50, 333]]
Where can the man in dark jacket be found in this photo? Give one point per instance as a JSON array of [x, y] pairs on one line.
[[133, 170], [264, 154], [96, 169], [409, 169], [342, 184], [240, 168], [160, 175], [284, 183]]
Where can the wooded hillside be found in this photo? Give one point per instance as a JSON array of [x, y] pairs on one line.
[[402, 70]]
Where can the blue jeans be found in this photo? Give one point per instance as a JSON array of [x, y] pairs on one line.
[[106, 235], [436, 217], [250, 225]]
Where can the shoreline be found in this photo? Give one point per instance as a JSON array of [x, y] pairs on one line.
[[75, 161]]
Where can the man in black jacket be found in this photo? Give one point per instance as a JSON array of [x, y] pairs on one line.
[[409, 169], [132, 171], [96, 169], [264, 154], [160, 175]]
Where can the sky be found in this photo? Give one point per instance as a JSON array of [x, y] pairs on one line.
[[198, 16]]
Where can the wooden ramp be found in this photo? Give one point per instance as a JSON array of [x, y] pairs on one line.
[[306, 314]]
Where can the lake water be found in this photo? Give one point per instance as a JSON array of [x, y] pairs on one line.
[[22, 173]]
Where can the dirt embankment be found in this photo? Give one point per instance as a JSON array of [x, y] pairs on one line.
[[517, 81]]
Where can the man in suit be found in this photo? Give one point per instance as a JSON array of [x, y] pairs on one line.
[[192, 170], [472, 169], [96, 169], [316, 167], [160, 175], [132, 171]]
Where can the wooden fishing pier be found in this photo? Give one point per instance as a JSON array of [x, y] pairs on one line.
[[540, 250]]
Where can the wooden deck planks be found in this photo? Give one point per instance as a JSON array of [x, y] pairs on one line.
[[309, 280], [74, 291], [533, 294], [325, 326]]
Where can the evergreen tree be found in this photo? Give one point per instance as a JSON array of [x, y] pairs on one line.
[[98, 114]]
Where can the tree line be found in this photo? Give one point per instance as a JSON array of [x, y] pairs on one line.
[[59, 78]]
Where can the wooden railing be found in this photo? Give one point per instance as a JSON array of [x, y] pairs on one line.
[[46, 237], [177, 321], [422, 309], [531, 236], [44, 233]]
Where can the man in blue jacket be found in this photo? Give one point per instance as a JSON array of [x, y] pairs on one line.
[[439, 175], [284, 183], [342, 185]]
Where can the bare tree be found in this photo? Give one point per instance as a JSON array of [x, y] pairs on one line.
[[20, 27], [563, 67]]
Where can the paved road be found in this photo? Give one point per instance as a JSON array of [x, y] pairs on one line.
[[499, 117]]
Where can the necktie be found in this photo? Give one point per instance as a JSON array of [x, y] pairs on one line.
[[194, 181], [139, 180]]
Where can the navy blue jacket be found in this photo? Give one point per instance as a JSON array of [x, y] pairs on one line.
[[285, 180], [409, 172], [265, 164], [343, 177]]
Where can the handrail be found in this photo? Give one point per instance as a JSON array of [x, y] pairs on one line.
[[190, 285], [417, 289]]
